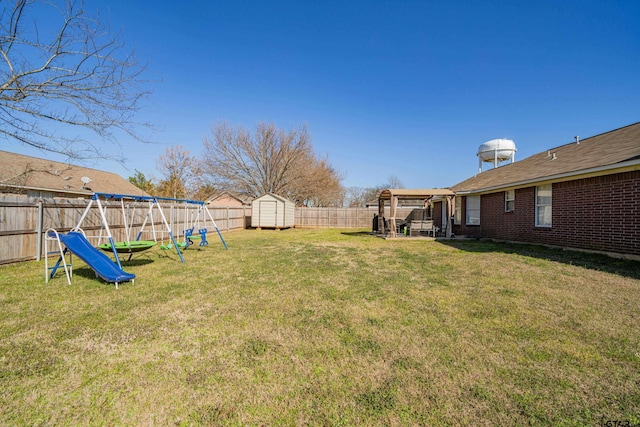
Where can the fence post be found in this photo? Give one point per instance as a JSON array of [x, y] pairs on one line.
[[39, 230]]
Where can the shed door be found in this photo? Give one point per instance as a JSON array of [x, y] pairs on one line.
[[268, 213]]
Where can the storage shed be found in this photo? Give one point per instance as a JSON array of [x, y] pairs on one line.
[[272, 211]]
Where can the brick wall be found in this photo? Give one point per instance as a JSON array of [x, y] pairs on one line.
[[600, 213], [463, 229], [437, 214]]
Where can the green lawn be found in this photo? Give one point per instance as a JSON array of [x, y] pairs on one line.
[[326, 327]]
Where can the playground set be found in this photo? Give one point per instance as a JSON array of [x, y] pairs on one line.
[[76, 242]]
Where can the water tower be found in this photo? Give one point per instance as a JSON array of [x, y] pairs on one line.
[[495, 151]]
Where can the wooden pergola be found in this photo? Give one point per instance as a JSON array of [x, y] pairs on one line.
[[425, 194]]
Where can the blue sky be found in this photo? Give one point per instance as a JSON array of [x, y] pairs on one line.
[[386, 88]]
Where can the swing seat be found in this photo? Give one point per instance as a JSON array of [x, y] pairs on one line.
[[167, 246], [124, 247]]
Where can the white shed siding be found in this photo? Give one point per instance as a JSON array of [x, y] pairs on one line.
[[267, 213], [289, 214], [271, 211]]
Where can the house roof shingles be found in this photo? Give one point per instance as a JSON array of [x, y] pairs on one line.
[[242, 198], [607, 149], [32, 173]]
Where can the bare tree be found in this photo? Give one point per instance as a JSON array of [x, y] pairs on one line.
[[393, 182], [203, 191], [359, 196], [65, 73], [181, 173], [319, 184], [269, 161]]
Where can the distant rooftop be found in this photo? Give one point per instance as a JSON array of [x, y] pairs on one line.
[[20, 172]]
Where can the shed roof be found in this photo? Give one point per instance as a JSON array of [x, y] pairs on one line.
[[33, 173], [598, 154], [274, 196]]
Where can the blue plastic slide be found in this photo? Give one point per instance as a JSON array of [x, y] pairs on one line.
[[99, 262]]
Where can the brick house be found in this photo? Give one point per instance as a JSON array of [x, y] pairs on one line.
[[583, 195]]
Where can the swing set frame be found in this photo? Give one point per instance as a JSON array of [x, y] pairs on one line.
[[153, 202]]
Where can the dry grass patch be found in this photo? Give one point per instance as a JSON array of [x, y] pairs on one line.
[[323, 327]]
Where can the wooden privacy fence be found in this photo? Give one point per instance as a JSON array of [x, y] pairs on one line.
[[342, 217], [24, 220]]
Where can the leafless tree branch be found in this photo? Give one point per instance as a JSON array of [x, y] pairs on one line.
[[270, 160], [69, 72]]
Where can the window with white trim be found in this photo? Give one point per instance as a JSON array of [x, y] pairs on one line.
[[473, 210], [509, 200], [543, 205], [457, 212]]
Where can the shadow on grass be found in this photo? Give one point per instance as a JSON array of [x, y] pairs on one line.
[[88, 273], [357, 233], [598, 262], [135, 262]]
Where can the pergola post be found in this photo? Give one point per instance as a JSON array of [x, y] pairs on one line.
[[449, 214], [394, 195], [392, 214]]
